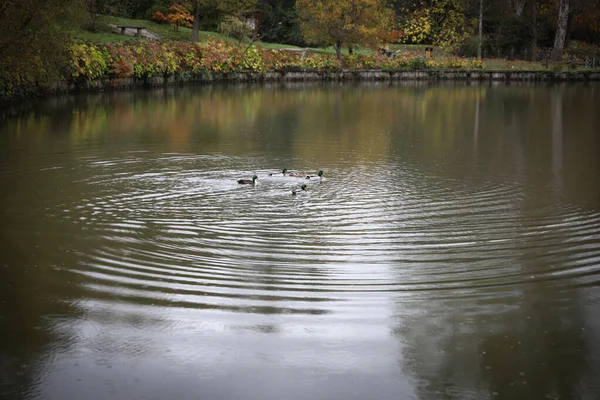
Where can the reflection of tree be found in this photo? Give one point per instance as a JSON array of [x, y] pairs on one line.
[[523, 338], [476, 347], [428, 125], [29, 298]]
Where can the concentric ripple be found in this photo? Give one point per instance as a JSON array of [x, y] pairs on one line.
[[182, 232], [452, 249]]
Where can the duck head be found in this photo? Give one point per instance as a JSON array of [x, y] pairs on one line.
[[283, 171], [303, 187], [320, 175]]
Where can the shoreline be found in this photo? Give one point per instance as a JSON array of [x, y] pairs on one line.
[[324, 75], [306, 75]]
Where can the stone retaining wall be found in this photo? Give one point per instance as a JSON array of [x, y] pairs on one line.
[[344, 75], [424, 76]]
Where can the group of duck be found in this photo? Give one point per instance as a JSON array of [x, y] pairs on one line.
[[285, 172]]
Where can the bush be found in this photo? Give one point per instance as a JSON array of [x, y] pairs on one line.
[[456, 63], [580, 50], [469, 47], [234, 27], [417, 63], [558, 67], [89, 61], [159, 17], [156, 8]]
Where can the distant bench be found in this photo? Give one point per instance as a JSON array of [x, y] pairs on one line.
[[139, 29], [388, 53], [302, 52]]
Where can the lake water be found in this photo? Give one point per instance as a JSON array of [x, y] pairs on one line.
[[452, 250]]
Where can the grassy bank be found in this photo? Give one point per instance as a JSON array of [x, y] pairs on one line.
[[164, 32], [109, 55]]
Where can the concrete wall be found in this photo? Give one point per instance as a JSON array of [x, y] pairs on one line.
[[344, 75]]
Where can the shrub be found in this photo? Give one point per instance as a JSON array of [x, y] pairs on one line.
[[577, 52], [396, 36], [469, 47], [147, 59], [159, 17], [234, 27], [557, 67], [320, 61], [455, 63], [156, 8], [88, 61], [417, 63]]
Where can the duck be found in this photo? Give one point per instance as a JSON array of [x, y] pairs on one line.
[[252, 181], [319, 175], [283, 172], [299, 174], [303, 187]]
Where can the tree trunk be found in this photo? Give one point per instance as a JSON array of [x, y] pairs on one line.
[[561, 30], [93, 9], [338, 51], [196, 28], [480, 44], [534, 30]]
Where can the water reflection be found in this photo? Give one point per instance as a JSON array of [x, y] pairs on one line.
[[450, 252]]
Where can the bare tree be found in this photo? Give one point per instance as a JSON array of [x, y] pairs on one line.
[[561, 30], [534, 29], [480, 42]]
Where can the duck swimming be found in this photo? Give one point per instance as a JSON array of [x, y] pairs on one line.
[[283, 171], [319, 175], [303, 187], [300, 174], [248, 181]]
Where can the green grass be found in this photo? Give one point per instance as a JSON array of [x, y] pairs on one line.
[[162, 31]]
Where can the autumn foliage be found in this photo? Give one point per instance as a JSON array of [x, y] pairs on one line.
[[339, 22], [176, 15], [185, 60]]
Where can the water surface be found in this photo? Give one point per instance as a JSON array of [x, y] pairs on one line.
[[451, 252]]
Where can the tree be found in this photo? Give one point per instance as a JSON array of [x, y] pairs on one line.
[[337, 22], [217, 10], [236, 28], [561, 30], [94, 8], [480, 31], [278, 22], [585, 21], [238, 8], [444, 23], [179, 15], [196, 24], [33, 39]]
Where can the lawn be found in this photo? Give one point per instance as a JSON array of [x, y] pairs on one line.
[[162, 31], [166, 32]]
